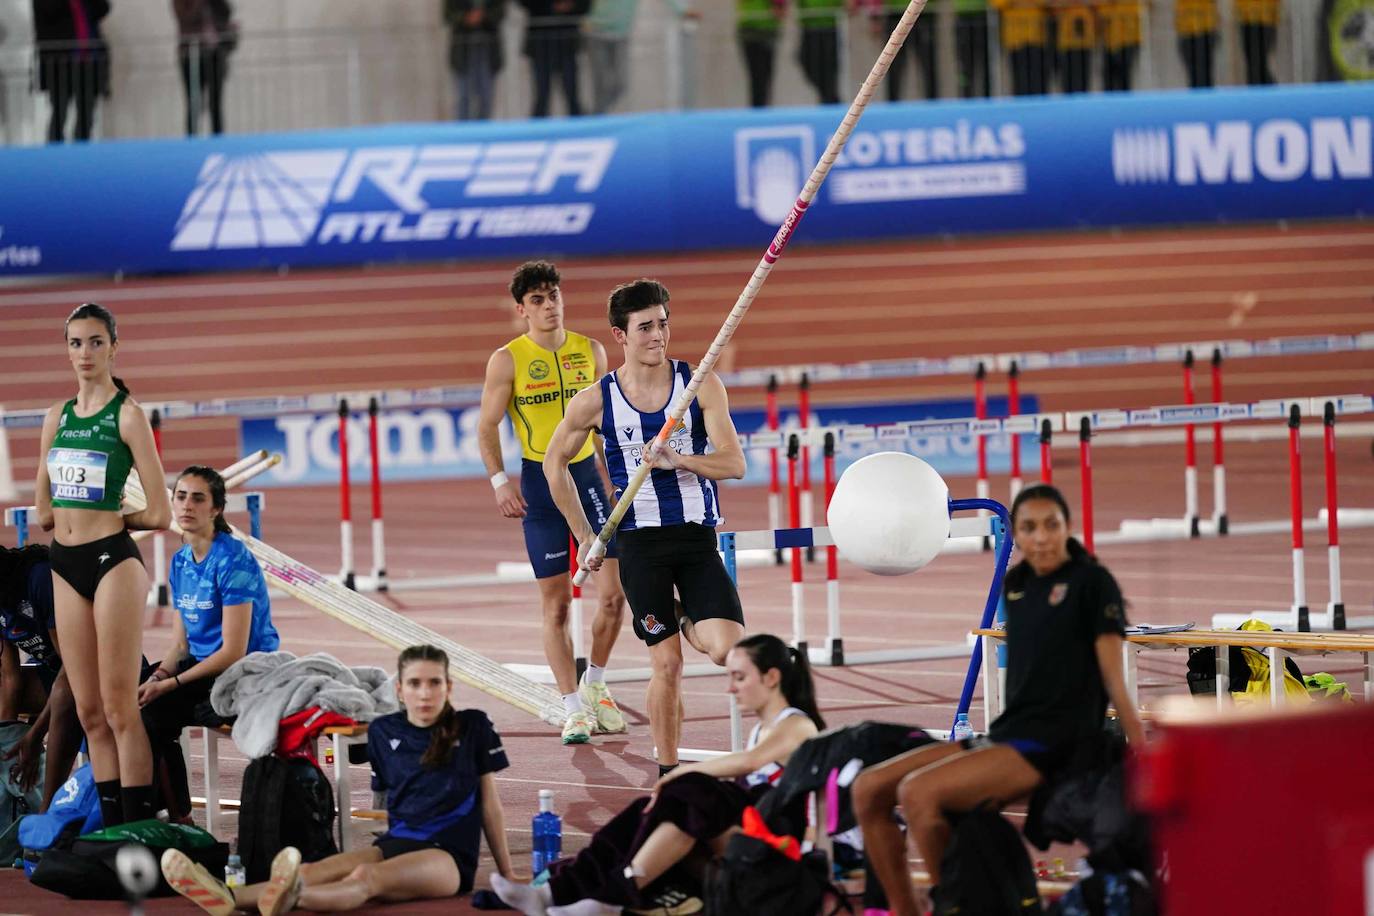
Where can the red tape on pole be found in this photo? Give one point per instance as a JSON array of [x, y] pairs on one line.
[[345, 512], [794, 503], [980, 411], [1046, 465], [1333, 537], [1295, 475], [1085, 468], [1014, 408], [376, 460], [832, 566]]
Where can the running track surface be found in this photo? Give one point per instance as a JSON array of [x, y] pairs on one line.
[[207, 337]]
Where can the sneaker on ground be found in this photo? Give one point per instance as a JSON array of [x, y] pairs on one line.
[[597, 698], [671, 901], [196, 884], [578, 727], [284, 886]]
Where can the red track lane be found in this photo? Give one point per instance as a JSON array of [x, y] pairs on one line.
[[331, 330]]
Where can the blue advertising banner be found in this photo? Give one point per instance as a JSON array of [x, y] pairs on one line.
[[658, 182], [440, 443]]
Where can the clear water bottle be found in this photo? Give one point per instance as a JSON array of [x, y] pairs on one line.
[[235, 875], [548, 834], [962, 729]]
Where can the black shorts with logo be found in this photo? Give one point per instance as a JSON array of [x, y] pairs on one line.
[[656, 561], [84, 565]]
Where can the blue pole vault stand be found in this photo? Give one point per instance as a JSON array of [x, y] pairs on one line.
[[1002, 544]]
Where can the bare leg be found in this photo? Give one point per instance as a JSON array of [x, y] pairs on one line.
[[961, 783], [555, 595], [665, 698], [664, 848], [427, 874], [64, 739], [874, 797], [718, 636], [325, 871], [80, 659], [118, 615], [610, 612]]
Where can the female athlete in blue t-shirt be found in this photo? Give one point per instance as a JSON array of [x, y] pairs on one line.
[[223, 613], [437, 766]]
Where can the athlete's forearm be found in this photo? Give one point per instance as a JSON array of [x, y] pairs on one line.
[[489, 445], [145, 520], [715, 466]]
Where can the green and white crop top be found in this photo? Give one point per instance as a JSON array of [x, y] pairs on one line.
[[88, 462]]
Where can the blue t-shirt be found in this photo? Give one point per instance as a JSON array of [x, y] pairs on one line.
[[228, 575], [29, 626], [441, 805]]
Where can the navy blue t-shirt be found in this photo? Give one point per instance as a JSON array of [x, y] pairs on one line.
[[29, 626], [441, 805]]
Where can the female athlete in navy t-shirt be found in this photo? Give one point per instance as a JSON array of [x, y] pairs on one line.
[[437, 766]]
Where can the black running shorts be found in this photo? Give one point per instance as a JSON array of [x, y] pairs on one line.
[[656, 561]]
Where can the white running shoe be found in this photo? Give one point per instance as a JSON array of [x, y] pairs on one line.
[[597, 697], [196, 884], [284, 886], [578, 727]]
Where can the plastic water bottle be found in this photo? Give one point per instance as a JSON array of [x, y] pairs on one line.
[[235, 875], [962, 729], [548, 834]]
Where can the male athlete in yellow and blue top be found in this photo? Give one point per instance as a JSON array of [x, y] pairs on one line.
[[531, 379]]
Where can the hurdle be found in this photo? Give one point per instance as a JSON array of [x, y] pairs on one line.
[[1298, 616]]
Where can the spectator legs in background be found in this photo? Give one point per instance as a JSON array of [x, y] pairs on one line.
[[216, 70], [1197, 58], [567, 69], [1076, 64], [920, 44], [475, 84], [1117, 69], [541, 60], [820, 60], [758, 60], [1258, 41], [59, 97], [607, 59], [1029, 70], [971, 47]]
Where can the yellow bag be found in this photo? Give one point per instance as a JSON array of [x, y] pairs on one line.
[[1294, 690]]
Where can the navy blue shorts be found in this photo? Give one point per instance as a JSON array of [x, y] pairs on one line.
[[546, 531]]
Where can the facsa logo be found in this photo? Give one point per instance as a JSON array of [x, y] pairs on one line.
[[389, 194], [1279, 149]]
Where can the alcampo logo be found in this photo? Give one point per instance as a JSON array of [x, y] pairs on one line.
[[1239, 152], [423, 193]]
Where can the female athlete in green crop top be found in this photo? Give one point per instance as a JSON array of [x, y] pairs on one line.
[[99, 583]]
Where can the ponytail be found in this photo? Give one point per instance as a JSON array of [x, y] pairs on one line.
[[119, 383], [442, 738], [767, 652]]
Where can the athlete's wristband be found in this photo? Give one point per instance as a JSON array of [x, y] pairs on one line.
[[499, 480]]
